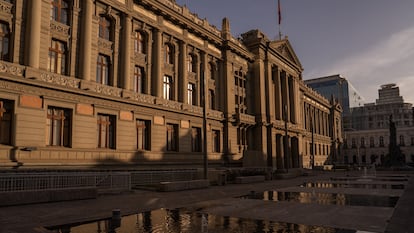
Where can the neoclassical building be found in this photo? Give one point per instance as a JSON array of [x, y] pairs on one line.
[[131, 83], [368, 140]]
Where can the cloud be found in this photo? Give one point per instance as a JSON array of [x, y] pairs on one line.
[[388, 61]]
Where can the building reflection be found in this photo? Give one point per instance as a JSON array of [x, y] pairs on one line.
[[180, 221]]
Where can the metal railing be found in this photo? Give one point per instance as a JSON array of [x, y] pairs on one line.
[[155, 177], [12, 182]]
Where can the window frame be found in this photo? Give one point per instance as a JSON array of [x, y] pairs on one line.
[[168, 87], [105, 28], [172, 137], [139, 79], [6, 121], [59, 12], [143, 134], [216, 141], [196, 139], [139, 42], [57, 51], [59, 122], [103, 69], [106, 131], [5, 39]]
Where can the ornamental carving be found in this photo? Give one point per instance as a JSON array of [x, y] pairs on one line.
[[140, 58], [144, 98], [247, 119], [169, 104], [59, 28], [11, 68], [59, 80], [6, 7], [195, 109], [215, 114], [105, 44], [108, 90]]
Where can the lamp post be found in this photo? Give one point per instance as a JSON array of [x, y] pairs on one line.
[[205, 155], [286, 139], [312, 143]]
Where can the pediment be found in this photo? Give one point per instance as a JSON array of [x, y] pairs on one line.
[[284, 48]]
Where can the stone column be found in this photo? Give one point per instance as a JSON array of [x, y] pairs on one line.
[[285, 96], [278, 94], [182, 82], [126, 55], [33, 32], [86, 40], [157, 63]]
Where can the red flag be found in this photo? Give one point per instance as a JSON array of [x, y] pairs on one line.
[[278, 11]]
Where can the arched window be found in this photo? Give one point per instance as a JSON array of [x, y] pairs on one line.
[[362, 142], [191, 63], [59, 11], [105, 26], [169, 54], [4, 41], [371, 142], [139, 42]]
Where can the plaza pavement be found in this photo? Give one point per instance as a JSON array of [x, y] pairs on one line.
[[220, 200]]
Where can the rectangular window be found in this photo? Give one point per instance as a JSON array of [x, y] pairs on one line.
[[195, 139], [143, 134], [58, 126], [167, 88], [172, 137], [6, 121], [139, 79], [102, 70], [106, 131], [216, 140], [57, 57], [191, 94], [59, 11], [4, 41]]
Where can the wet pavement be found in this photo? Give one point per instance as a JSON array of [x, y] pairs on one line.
[[225, 201]]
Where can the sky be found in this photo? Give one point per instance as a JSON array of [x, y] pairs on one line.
[[369, 42]]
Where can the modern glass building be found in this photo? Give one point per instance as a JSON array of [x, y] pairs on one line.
[[338, 87]]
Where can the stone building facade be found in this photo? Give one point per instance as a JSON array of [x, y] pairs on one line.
[[368, 140], [123, 82]]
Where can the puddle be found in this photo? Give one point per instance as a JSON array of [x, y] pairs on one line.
[[325, 198], [181, 221], [368, 178], [351, 185]]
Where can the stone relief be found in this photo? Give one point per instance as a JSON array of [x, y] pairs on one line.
[[59, 80], [11, 68]]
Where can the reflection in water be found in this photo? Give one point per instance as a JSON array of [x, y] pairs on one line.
[[351, 185], [326, 198], [181, 221]]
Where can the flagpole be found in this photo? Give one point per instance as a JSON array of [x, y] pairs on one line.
[[279, 18]]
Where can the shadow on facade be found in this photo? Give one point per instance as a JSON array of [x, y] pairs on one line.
[[184, 152]]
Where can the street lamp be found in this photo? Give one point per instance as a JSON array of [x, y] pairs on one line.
[[312, 157], [203, 96]]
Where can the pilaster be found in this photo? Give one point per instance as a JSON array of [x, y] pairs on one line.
[[126, 55], [33, 32], [86, 35]]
